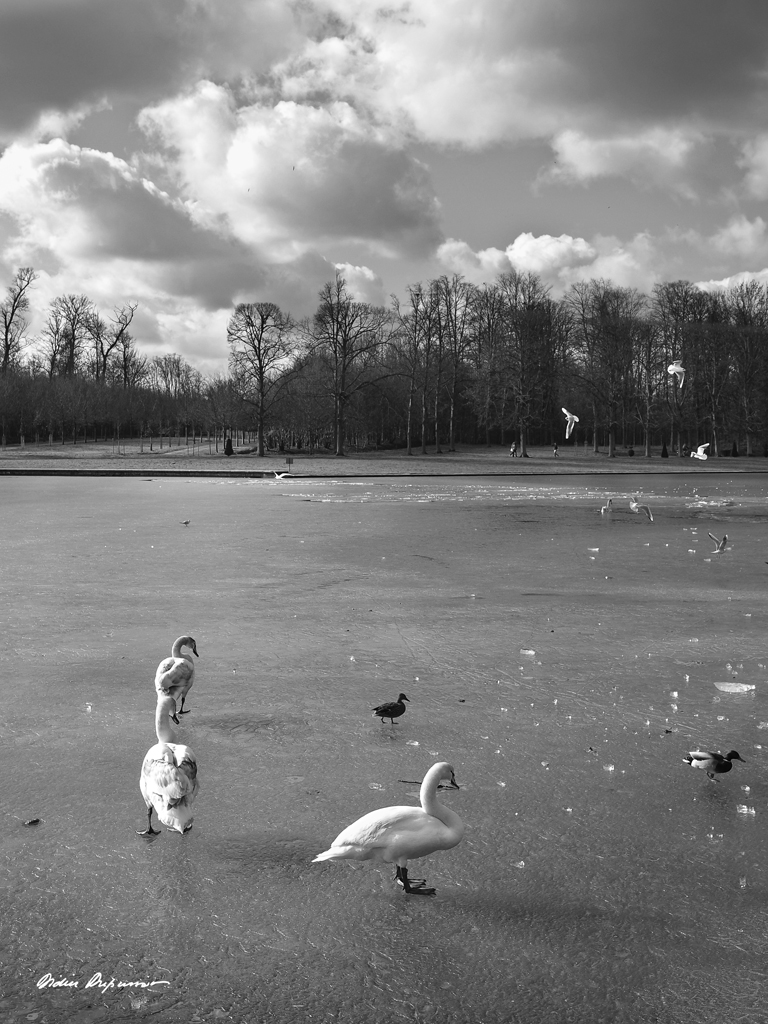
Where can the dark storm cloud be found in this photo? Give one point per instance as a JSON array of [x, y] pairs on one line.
[[60, 55], [657, 60]]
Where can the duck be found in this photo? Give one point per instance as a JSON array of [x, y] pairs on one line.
[[712, 763], [175, 675], [636, 507], [392, 710], [395, 835], [168, 775]]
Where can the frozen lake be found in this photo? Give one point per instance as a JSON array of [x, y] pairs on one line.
[[564, 662]]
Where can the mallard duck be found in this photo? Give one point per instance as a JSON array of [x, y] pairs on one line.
[[168, 775], [712, 763], [395, 835], [175, 675], [392, 710]]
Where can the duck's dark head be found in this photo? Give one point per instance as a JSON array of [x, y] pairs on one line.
[[733, 755], [403, 697]]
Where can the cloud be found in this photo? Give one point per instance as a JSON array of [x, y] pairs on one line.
[[754, 159], [747, 239], [559, 261], [362, 283], [291, 178], [656, 155]]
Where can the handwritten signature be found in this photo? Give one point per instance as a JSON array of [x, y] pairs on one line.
[[96, 981]]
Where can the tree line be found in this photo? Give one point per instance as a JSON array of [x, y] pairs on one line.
[[453, 362]]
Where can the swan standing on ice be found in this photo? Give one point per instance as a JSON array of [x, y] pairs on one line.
[[608, 507], [633, 504], [700, 453], [395, 835], [712, 763], [392, 710], [719, 544], [168, 775], [571, 420], [676, 370], [175, 675]]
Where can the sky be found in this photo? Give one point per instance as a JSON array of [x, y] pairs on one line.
[[191, 154]]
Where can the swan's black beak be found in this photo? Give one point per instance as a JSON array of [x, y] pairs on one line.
[[453, 784]]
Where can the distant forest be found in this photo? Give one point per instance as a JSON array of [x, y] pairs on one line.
[[454, 363]]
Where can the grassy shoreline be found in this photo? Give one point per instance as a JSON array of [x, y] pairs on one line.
[[102, 459]]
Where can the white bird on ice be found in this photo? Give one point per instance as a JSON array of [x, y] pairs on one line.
[[395, 835], [175, 675], [700, 453], [608, 507], [719, 544], [677, 370], [633, 504], [571, 420], [168, 775]]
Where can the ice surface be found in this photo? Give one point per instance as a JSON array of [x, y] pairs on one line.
[[311, 602]]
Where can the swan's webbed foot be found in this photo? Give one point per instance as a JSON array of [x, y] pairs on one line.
[[149, 830], [183, 712], [175, 719], [413, 886]]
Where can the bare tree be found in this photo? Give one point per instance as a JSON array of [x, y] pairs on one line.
[[348, 337], [12, 320], [260, 341], [76, 312]]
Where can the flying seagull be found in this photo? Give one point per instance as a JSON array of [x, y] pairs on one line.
[[633, 504], [571, 420], [677, 370], [700, 453], [719, 544]]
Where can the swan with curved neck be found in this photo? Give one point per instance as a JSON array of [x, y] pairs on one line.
[[175, 675], [168, 775], [395, 835]]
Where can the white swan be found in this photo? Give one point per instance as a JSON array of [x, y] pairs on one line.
[[677, 370], [175, 675], [700, 453], [395, 835], [571, 421], [635, 507], [168, 775], [608, 507]]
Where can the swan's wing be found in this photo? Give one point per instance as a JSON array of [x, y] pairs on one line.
[[177, 675], [377, 828]]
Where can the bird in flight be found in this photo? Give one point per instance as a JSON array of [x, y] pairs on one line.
[[719, 544], [633, 504], [571, 420], [700, 453], [677, 370], [608, 507]]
